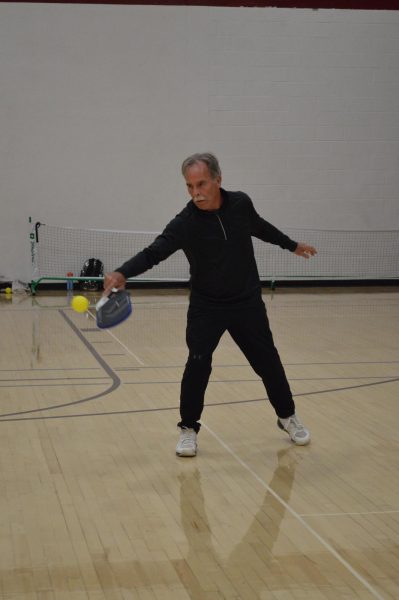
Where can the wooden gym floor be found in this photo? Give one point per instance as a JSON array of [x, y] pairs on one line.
[[95, 504]]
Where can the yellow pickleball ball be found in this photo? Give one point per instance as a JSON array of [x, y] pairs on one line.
[[80, 304], [8, 290]]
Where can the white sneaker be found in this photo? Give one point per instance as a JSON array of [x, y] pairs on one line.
[[297, 432], [187, 444]]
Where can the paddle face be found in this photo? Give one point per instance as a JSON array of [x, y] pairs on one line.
[[113, 309]]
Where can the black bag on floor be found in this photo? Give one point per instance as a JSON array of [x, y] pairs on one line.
[[93, 267]]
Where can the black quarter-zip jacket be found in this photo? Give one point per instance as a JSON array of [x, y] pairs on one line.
[[218, 246]]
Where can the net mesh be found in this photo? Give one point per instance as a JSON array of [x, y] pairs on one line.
[[341, 254]]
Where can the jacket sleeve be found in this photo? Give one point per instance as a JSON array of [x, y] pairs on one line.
[[266, 232], [164, 245]]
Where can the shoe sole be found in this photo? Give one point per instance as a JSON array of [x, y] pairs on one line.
[[300, 443], [186, 454]]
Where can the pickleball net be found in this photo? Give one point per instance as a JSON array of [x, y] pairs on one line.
[[342, 255]]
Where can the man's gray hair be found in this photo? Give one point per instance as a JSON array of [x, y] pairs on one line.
[[205, 157]]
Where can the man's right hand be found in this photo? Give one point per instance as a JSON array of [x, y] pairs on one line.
[[113, 280]]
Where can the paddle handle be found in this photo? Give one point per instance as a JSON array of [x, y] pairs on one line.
[[104, 300]]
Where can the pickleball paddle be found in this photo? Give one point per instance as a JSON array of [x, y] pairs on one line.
[[113, 309]]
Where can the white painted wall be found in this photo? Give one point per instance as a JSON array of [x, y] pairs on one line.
[[100, 104]]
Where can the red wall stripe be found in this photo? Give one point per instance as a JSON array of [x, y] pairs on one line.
[[314, 4]]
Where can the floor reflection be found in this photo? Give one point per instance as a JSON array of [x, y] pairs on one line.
[[251, 567]]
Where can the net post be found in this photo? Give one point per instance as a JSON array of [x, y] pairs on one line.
[[34, 270], [34, 240]]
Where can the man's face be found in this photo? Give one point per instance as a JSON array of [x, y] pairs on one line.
[[204, 190]]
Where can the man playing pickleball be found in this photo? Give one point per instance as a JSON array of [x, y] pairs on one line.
[[214, 231]]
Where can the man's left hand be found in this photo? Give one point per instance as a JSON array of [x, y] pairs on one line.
[[305, 250]]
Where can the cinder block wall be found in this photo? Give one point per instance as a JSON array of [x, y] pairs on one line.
[[100, 104]]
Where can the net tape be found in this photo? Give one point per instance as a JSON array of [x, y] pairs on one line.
[[341, 254]]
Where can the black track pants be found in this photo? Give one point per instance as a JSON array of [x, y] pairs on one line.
[[250, 329]]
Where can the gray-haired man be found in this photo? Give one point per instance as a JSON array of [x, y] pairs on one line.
[[215, 232]]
